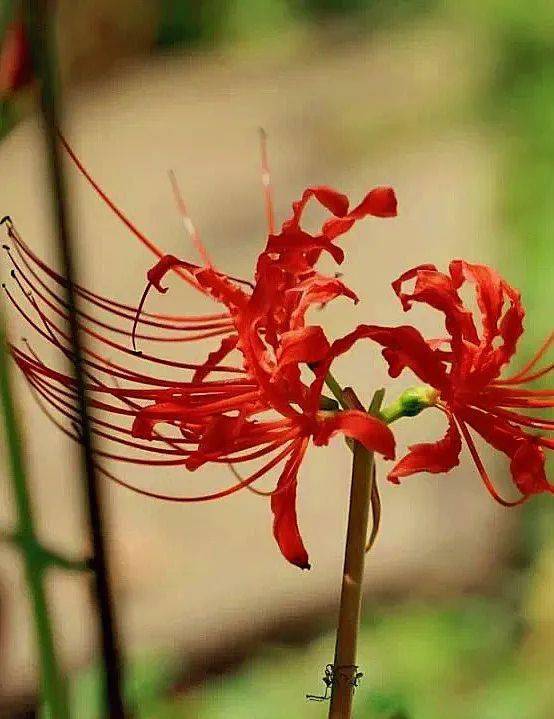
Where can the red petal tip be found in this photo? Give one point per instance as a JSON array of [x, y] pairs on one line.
[[382, 202]]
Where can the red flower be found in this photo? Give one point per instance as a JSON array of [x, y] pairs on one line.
[[465, 367], [258, 406], [16, 67]]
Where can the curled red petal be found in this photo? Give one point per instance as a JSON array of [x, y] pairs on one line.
[[403, 347], [143, 426], [439, 291], [334, 201], [218, 439], [317, 290], [379, 202], [220, 287], [488, 285], [397, 285], [434, 457], [297, 240], [369, 431], [308, 344], [168, 262], [496, 431], [525, 454], [227, 345], [492, 294], [527, 468], [147, 418], [283, 506]]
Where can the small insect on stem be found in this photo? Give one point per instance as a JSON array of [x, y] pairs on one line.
[[331, 676], [327, 679]]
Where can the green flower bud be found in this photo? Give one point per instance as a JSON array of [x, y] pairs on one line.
[[410, 403]]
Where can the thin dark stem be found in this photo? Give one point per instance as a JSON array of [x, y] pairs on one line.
[[39, 27]]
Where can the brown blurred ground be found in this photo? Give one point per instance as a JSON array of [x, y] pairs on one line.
[[346, 117]]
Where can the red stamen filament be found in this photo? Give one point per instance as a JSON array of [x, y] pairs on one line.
[[266, 182], [482, 471], [523, 374]]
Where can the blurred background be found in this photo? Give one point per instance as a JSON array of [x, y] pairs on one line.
[[451, 103]]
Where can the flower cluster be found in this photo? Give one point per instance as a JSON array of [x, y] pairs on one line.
[[462, 372], [258, 407], [258, 396], [15, 59]]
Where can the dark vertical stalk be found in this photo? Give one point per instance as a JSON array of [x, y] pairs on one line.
[[44, 60]]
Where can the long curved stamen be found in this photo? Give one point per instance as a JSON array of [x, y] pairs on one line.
[[482, 471], [187, 221], [54, 394], [499, 394], [258, 492], [115, 371], [75, 435], [111, 204], [58, 305], [521, 419], [125, 311], [137, 316], [261, 492], [207, 497], [538, 374], [525, 403], [67, 409], [122, 348], [266, 182], [521, 376], [127, 222], [375, 512]]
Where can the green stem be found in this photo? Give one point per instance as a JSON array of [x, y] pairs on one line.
[[344, 665], [69, 564], [336, 390], [53, 686], [50, 558]]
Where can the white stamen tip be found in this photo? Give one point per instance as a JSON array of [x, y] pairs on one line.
[[189, 227]]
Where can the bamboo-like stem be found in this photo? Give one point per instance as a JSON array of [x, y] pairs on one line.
[[44, 60], [345, 661], [50, 557], [52, 682]]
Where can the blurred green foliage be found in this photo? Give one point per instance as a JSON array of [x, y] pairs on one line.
[[466, 659], [222, 20], [520, 106]]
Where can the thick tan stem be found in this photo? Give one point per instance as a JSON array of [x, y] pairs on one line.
[[345, 668], [345, 662]]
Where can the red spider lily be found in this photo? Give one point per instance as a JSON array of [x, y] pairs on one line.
[[258, 406], [16, 67], [465, 369]]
